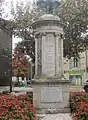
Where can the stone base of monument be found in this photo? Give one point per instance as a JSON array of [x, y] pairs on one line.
[[51, 95]]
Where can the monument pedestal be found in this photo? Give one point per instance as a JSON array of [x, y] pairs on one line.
[[51, 95]]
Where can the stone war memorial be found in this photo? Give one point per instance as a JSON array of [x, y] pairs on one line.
[[50, 88]]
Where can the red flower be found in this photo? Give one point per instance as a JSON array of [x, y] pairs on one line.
[[79, 105], [16, 107]]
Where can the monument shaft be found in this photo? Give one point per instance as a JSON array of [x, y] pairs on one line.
[[49, 53]]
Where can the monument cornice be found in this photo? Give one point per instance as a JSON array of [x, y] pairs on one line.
[[40, 34], [45, 33], [50, 81], [59, 35], [49, 77], [47, 22]]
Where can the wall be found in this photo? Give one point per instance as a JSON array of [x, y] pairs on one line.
[[5, 58]]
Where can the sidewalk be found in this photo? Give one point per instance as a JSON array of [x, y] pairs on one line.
[[76, 86], [60, 116]]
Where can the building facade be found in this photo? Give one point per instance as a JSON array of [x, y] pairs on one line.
[[5, 58], [76, 71]]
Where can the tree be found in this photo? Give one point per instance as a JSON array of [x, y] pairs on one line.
[[24, 17], [20, 62], [72, 12], [29, 47], [1, 8], [5, 25]]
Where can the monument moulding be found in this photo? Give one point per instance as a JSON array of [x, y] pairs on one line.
[[50, 89]]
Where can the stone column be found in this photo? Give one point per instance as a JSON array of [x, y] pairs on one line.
[[43, 53], [36, 61], [39, 54], [61, 55], [57, 54]]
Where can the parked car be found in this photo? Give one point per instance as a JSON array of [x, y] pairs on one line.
[[86, 85]]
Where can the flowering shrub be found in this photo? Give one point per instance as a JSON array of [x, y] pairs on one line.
[[76, 99], [79, 105], [16, 108], [27, 97], [82, 112]]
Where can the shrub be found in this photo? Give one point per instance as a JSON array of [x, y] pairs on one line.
[[16, 108], [82, 112], [79, 105], [76, 99], [27, 97]]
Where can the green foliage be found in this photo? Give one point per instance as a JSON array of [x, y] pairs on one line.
[[29, 47], [72, 12], [1, 7]]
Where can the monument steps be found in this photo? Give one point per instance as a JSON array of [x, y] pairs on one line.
[[60, 116]]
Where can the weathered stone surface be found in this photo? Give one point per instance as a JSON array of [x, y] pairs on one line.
[[65, 116], [49, 17], [43, 107], [49, 58], [50, 55], [51, 94], [49, 87]]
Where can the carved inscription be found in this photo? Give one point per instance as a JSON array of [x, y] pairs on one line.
[[50, 55], [51, 94]]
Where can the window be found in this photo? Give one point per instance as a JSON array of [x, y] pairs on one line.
[[76, 79]]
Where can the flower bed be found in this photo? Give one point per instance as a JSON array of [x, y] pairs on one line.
[[17, 107], [79, 105]]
